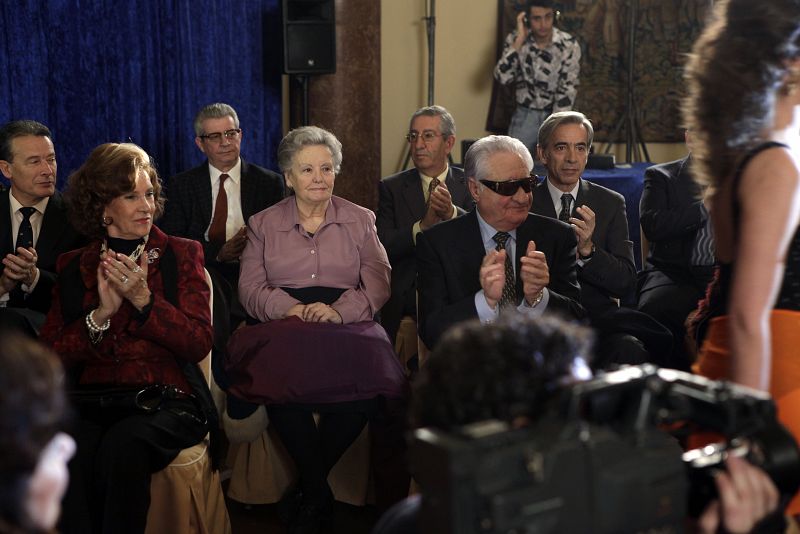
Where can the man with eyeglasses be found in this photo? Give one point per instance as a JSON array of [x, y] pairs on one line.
[[597, 215], [498, 258], [34, 228], [412, 201], [542, 64], [212, 202]]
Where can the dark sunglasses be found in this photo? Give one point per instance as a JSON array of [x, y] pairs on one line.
[[509, 187]]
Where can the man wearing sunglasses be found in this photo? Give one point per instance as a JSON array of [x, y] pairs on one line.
[[212, 202], [497, 258], [411, 201], [597, 215]]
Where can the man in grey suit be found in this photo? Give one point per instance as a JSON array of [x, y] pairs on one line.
[[34, 229], [412, 201], [212, 202], [606, 271]]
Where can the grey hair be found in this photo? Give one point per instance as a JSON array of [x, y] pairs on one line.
[[560, 118], [304, 136], [448, 125], [478, 154], [214, 111]]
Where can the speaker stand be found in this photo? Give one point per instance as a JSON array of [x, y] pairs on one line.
[[430, 32], [302, 79]]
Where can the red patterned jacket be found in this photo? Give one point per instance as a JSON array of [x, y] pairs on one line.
[[136, 352]]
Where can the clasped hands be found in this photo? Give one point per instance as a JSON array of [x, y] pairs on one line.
[[315, 312], [20, 268], [233, 247], [584, 229], [534, 273], [439, 208], [120, 278]]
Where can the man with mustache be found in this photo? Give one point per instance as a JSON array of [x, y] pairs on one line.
[[412, 201], [498, 258], [597, 215], [33, 225]]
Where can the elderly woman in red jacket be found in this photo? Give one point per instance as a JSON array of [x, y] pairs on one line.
[[130, 310]]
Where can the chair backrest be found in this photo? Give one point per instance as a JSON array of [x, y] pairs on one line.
[[205, 363]]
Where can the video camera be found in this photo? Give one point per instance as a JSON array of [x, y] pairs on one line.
[[605, 459]]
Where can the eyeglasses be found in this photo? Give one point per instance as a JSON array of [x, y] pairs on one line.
[[216, 137], [427, 136], [510, 187]]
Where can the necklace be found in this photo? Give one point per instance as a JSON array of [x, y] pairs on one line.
[[133, 255]]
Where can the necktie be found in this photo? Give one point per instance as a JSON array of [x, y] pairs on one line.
[[25, 233], [431, 188], [509, 297], [216, 232], [566, 208]]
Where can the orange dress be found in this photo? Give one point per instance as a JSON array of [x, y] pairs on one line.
[[714, 357]]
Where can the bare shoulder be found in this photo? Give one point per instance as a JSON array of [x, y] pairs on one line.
[[775, 170]]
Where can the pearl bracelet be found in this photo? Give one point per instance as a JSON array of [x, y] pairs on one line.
[[96, 331]]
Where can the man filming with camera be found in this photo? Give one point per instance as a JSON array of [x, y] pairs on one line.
[[513, 371]]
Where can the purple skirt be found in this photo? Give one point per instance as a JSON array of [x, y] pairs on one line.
[[291, 361]]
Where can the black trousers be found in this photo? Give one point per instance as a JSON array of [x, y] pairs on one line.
[[315, 449], [109, 490], [669, 299]]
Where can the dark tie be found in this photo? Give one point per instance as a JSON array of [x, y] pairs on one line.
[[25, 234], [216, 232], [566, 208], [509, 297]]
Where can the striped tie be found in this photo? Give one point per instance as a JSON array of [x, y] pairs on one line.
[[509, 297]]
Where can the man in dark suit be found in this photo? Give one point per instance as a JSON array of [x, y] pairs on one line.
[[195, 209], [34, 229], [680, 260], [606, 271], [408, 204], [463, 272]]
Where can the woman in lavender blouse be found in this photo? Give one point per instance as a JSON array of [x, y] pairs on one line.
[[314, 274]]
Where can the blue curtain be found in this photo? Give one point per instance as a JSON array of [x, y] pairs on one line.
[[109, 70]]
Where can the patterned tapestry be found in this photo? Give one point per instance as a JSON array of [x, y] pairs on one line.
[[664, 31]]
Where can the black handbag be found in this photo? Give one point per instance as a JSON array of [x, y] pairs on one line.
[[120, 399]]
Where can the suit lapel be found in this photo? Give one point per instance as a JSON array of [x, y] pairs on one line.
[[542, 203], [412, 192], [248, 193], [54, 224], [204, 194], [6, 240], [583, 194]]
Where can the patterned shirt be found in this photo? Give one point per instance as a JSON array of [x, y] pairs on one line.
[[543, 77]]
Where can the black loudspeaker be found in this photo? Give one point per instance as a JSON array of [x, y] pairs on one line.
[[601, 161], [309, 36]]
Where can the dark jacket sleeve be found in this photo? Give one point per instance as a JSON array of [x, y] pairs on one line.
[[443, 298], [662, 213], [612, 270]]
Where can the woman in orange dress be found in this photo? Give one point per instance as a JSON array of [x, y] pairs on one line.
[[743, 110]]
